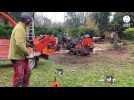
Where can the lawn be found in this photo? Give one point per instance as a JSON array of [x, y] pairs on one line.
[[80, 71]]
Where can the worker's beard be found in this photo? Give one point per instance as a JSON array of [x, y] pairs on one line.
[[27, 23]]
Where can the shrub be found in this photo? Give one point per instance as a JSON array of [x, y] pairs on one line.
[[128, 33], [5, 31]]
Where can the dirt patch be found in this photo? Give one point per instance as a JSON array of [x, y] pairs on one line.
[[103, 53], [70, 59], [120, 54], [107, 51]]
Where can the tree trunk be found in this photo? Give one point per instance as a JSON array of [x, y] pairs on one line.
[[115, 40]]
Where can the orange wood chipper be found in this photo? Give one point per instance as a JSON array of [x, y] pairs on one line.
[[41, 46], [82, 47]]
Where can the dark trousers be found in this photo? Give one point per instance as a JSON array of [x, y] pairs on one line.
[[21, 73]]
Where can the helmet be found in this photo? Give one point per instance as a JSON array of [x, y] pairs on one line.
[[87, 35], [26, 18]]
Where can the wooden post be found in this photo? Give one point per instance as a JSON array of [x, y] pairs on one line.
[[115, 37]]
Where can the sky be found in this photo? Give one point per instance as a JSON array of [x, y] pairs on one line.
[[59, 16], [54, 16], [112, 16]]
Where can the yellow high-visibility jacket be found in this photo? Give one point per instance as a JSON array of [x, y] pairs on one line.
[[17, 49]]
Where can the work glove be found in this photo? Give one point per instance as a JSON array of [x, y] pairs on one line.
[[30, 56], [34, 54]]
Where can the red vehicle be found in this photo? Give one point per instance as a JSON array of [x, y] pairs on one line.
[[41, 46], [4, 43]]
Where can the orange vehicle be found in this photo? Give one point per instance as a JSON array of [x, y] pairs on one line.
[[45, 45], [83, 47], [41, 46]]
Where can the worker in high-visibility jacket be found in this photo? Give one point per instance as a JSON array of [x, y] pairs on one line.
[[53, 40], [18, 53], [87, 41], [52, 44], [44, 43]]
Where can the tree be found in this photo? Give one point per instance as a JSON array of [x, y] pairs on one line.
[[74, 23], [90, 24], [15, 15], [102, 21], [118, 21], [5, 28], [74, 19], [41, 21], [129, 33]]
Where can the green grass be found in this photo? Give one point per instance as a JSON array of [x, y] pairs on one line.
[[81, 77], [84, 75]]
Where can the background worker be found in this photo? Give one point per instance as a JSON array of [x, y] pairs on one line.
[[87, 41]]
